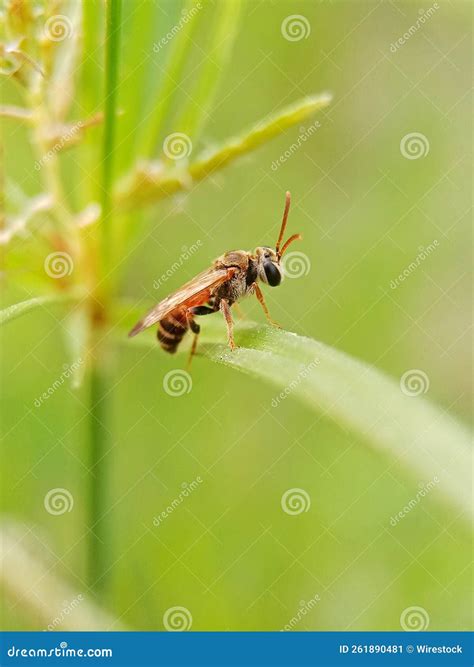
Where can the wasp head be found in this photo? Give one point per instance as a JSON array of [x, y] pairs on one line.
[[268, 266], [269, 260]]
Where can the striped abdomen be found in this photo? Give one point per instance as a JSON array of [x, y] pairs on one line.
[[171, 330]]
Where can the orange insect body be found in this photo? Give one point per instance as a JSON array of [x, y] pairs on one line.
[[231, 277]]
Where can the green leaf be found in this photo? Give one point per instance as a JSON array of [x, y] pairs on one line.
[[90, 83], [27, 579], [112, 52], [151, 182], [269, 127], [200, 101], [23, 307], [164, 95], [407, 429], [90, 93]]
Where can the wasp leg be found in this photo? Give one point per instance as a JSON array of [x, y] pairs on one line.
[[201, 310], [225, 310], [195, 328], [259, 295]]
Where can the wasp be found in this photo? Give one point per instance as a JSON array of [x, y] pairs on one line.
[[233, 275]]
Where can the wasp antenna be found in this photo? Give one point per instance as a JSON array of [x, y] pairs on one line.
[[295, 237], [284, 221]]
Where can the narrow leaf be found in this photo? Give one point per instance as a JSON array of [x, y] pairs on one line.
[[163, 96], [23, 307], [407, 428], [29, 581], [90, 93], [266, 129], [150, 182], [112, 52], [200, 101]]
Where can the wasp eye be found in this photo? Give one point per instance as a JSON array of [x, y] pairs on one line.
[[272, 273]]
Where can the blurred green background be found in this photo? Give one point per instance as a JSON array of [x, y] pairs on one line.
[[228, 553]]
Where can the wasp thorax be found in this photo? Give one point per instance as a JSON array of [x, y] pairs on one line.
[[268, 266]]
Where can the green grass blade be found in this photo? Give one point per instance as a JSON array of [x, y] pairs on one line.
[[164, 95], [24, 307], [90, 88], [90, 93], [112, 51], [150, 183], [201, 99], [28, 580], [266, 129], [407, 429]]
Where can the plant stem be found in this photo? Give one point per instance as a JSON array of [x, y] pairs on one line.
[[99, 372], [98, 435]]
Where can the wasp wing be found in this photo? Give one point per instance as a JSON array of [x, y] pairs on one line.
[[190, 294]]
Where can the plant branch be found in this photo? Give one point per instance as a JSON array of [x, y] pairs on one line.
[[18, 113]]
